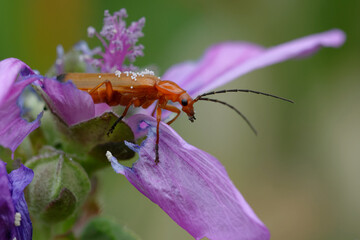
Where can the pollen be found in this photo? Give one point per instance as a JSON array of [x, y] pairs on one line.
[[17, 219], [135, 75], [148, 72], [117, 73]]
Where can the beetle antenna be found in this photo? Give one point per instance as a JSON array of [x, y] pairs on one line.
[[233, 108], [242, 90]]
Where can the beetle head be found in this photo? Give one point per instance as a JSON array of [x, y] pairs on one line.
[[187, 105]]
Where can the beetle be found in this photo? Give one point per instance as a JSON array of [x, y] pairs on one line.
[[142, 89]]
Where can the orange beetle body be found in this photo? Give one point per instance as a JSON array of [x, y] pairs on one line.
[[137, 89], [128, 89], [142, 90]]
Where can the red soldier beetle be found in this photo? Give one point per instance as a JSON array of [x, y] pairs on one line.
[[142, 90]]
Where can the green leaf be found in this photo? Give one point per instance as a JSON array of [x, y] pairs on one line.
[[100, 228]]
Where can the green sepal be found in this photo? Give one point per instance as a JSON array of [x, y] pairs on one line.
[[91, 137], [60, 207], [101, 228], [59, 187]]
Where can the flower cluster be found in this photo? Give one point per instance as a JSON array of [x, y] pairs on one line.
[[190, 185], [120, 44]]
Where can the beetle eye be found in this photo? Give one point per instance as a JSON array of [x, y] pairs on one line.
[[184, 102]]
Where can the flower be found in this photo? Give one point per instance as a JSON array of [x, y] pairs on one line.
[[14, 77], [14, 215], [189, 184]]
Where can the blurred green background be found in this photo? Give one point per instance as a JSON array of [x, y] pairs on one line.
[[301, 173]]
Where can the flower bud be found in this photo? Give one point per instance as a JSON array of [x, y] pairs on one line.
[[71, 61], [59, 187]]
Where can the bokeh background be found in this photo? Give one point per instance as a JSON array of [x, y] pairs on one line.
[[301, 174]]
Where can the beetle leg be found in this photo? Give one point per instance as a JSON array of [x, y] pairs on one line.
[[153, 112], [107, 84], [174, 109], [120, 118], [108, 88]]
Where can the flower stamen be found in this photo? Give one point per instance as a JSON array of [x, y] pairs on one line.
[[17, 219]]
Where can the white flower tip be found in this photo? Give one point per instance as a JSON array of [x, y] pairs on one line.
[[91, 31], [60, 51], [58, 62], [109, 155]]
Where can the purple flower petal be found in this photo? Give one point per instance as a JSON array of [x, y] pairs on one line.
[[190, 185], [13, 128], [24, 231], [225, 62], [7, 209], [100, 108], [67, 102], [12, 201], [19, 179]]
